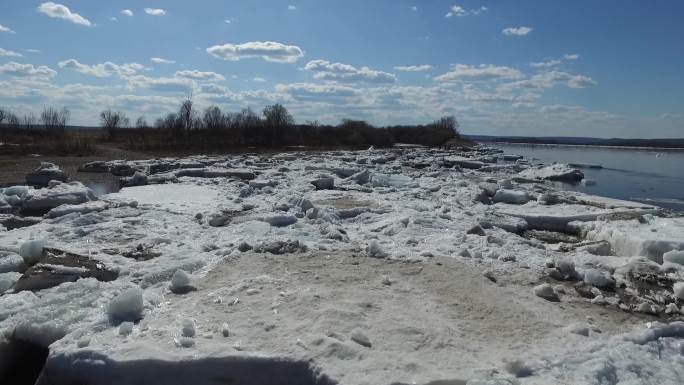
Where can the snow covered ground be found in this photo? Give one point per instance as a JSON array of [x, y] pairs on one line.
[[410, 265]]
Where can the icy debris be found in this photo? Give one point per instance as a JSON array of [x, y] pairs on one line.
[[188, 328], [674, 256], [184, 342], [511, 196], [386, 280], [40, 333], [18, 191], [95, 166], [599, 278], [261, 183], [244, 246], [678, 290], [83, 208], [476, 230], [32, 250], [579, 329], [360, 338], [546, 291], [565, 270], [11, 262], [7, 280], [389, 180], [180, 283], [324, 183], [55, 195], [374, 250], [362, 177], [302, 203], [126, 328], [558, 172], [127, 306], [138, 179], [219, 220], [518, 368], [504, 222], [280, 220], [45, 173], [279, 247], [225, 330]]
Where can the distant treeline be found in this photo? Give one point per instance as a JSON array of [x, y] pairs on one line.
[[675, 143], [211, 128], [191, 129]]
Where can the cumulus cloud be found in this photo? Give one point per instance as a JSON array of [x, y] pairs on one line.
[[416, 68], [127, 12], [318, 92], [5, 29], [325, 70], [102, 70], [464, 72], [4, 52], [581, 81], [60, 11], [267, 50], [571, 56], [457, 10], [549, 79], [159, 60], [517, 31], [27, 70], [155, 11], [161, 84], [199, 75]]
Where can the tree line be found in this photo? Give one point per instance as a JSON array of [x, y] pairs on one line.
[[190, 128], [211, 128]]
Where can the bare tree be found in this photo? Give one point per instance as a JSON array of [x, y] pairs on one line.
[[141, 123], [213, 118], [186, 114], [3, 115], [54, 120], [277, 120], [112, 121], [449, 123], [30, 122]]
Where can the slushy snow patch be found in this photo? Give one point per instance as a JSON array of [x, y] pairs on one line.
[[127, 306]]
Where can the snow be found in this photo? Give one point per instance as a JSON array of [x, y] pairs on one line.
[[558, 172], [674, 256], [286, 279], [630, 238], [58, 194], [180, 282], [127, 306], [511, 196]]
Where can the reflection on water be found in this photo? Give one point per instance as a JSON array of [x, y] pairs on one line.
[[651, 176]]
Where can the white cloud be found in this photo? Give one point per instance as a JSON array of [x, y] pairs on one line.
[[155, 11], [113, 18], [161, 84], [127, 12], [416, 68], [571, 56], [27, 70], [259, 79], [463, 72], [517, 31], [102, 70], [581, 81], [414, 8], [199, 75], [457, 10], [546, 64], [31, 50], [62, 12], [312, 91], [292, 7], [267, 50], [5, 29], [162, 61], [4, 52], [325, 70]]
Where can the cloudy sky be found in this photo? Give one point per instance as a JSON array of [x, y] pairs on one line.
[[610, 68]]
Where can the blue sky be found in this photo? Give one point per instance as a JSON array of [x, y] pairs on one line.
[[587, 68]]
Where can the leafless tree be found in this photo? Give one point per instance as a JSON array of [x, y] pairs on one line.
[[186, 114], [112, 121], [141, 123], [213, 118], [448, 122], [278, 119], [30, 122], [55, 120]]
